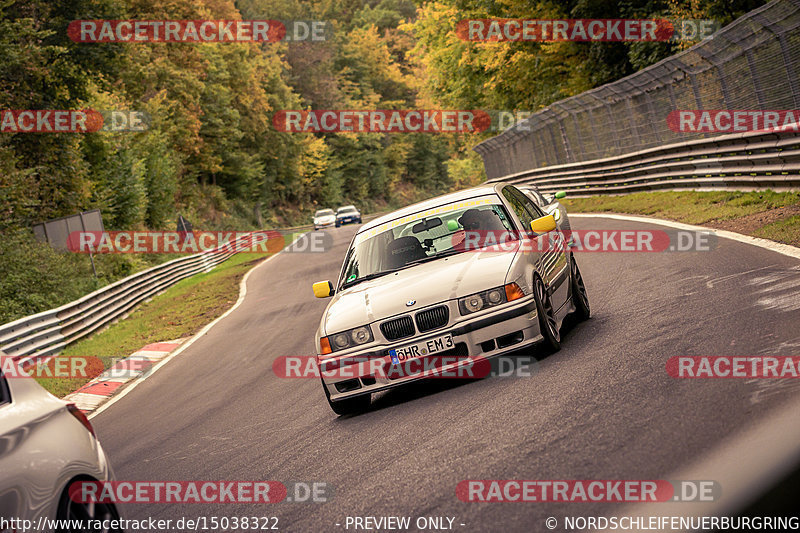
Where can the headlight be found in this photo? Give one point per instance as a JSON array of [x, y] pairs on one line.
[[349, 338], [481, 300], [341, 340], [361, 335], [495, 296], [473, 303]]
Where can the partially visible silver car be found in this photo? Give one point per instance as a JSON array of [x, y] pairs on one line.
[[46, 446], [324, 218], [550, 204]]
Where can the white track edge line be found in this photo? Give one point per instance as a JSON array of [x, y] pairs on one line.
[[242, 293], [773, 246]]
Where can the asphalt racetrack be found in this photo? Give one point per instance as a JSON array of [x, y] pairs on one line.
[[603, 407]]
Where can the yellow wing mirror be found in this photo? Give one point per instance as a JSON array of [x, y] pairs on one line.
[[543, 224], [323, 289]]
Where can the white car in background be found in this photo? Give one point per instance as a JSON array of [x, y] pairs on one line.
[[324, 218], [46, 445], [430, 284], [549, 204]]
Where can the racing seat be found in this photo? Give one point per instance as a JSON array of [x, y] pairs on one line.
[[480, 220], [403, 250]]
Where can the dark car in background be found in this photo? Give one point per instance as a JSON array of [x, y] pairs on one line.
[[347, 214]]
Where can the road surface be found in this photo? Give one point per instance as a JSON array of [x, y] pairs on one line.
[[601, 408]]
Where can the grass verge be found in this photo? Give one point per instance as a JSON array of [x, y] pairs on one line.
[[180, 311], [768, 214]]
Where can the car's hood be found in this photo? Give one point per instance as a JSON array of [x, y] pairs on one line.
[[325, 219], [427, 284], [353, 214]]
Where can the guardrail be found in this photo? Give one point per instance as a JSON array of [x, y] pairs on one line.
[[741, 161], [45, 334], [751, 64]]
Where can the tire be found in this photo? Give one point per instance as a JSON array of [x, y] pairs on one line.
[[578, 289], [350, 406], [547, 319], [69, 510]]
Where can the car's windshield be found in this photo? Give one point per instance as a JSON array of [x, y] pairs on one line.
[[324, 213], [349, 209], [420, 237]]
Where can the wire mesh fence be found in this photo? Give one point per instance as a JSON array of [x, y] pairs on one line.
[[751, 64]]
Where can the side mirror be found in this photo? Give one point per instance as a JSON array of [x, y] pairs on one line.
[[323, 289], [560, 194], [543, 224]]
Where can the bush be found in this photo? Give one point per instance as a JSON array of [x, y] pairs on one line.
[[34, 277]]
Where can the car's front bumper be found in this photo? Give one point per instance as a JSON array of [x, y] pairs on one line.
[[320, 225], [347, 220], [487, 335]]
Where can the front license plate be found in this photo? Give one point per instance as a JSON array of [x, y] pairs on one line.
[[421, 349]]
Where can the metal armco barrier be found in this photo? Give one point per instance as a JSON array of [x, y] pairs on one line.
[[747, 161], [45, 334], [616, 138]]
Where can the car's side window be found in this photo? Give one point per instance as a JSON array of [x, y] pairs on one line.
[[533, 208], [521, 206], [518, 207]]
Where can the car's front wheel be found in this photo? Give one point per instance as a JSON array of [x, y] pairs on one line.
[[547, 316], [77, 516], [579, 297]]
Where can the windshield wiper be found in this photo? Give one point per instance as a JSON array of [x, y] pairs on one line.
[[367, 278], [439, 255]]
